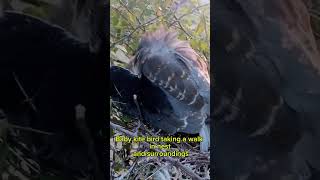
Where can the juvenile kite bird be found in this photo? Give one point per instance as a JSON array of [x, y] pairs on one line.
[[45, 72], [170, 81]]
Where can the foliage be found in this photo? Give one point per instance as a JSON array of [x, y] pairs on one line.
[[130, 19]]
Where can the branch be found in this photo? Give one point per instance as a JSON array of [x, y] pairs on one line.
[[126, 7], [4, 123], [181, 27], [173, 161], [133, 31], [28, 99], [191, 12]]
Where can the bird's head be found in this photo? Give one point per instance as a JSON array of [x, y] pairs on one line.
[[164, 38]]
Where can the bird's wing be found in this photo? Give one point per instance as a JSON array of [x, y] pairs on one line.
[[186, 88], [172, 73]]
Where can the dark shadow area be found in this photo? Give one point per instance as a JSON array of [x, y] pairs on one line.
[[266, 91], [53, 96]]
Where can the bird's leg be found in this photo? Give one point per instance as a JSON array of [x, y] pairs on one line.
[[86, 135], [135, 99]]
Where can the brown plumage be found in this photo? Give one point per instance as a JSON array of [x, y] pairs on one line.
[[175, 83], [267, 90], [173, 66]]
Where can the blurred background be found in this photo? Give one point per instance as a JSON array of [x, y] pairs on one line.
[[82, 18], [314, 8]]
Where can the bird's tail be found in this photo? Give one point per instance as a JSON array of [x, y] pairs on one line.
[[205, 134]]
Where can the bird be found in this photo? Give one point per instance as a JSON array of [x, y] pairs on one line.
[[45, 72], [266, 90], [171, 82]]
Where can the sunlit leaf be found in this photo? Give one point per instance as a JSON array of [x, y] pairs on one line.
[[122, 48], [201, 27], [121, 56]]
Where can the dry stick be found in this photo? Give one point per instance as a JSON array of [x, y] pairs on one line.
[[134, 30], [128, 172], [23, 160], [4, 122], [156, 171], [126, 7], [181, 27], [191, 12], [29, 100], [124, 17], [29, 129], [173, 161]]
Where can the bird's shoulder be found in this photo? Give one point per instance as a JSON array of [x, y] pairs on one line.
[[175, 75]]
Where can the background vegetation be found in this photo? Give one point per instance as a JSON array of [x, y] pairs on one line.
[[130, 19]]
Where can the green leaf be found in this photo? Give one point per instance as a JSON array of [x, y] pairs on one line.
[[132, 18], [203, 46], [122, 48], [201, 27]]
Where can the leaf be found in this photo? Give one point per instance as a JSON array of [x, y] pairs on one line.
[[201, 27], [113, 55], [203, 46], [193, 43], [122, 48], [114, 19], [121, 56]]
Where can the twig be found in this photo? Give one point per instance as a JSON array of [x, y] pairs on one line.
[[181, 27], [29, 129], [126, 7], [133, 31], [129, 171], [29, 100], [191, 12], [124, 17], [5, 123], [162, 167], [121, 129], [23, 159], [184, 168], [173, 161]]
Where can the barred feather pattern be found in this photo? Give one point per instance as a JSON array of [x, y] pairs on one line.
[[173, 66]]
